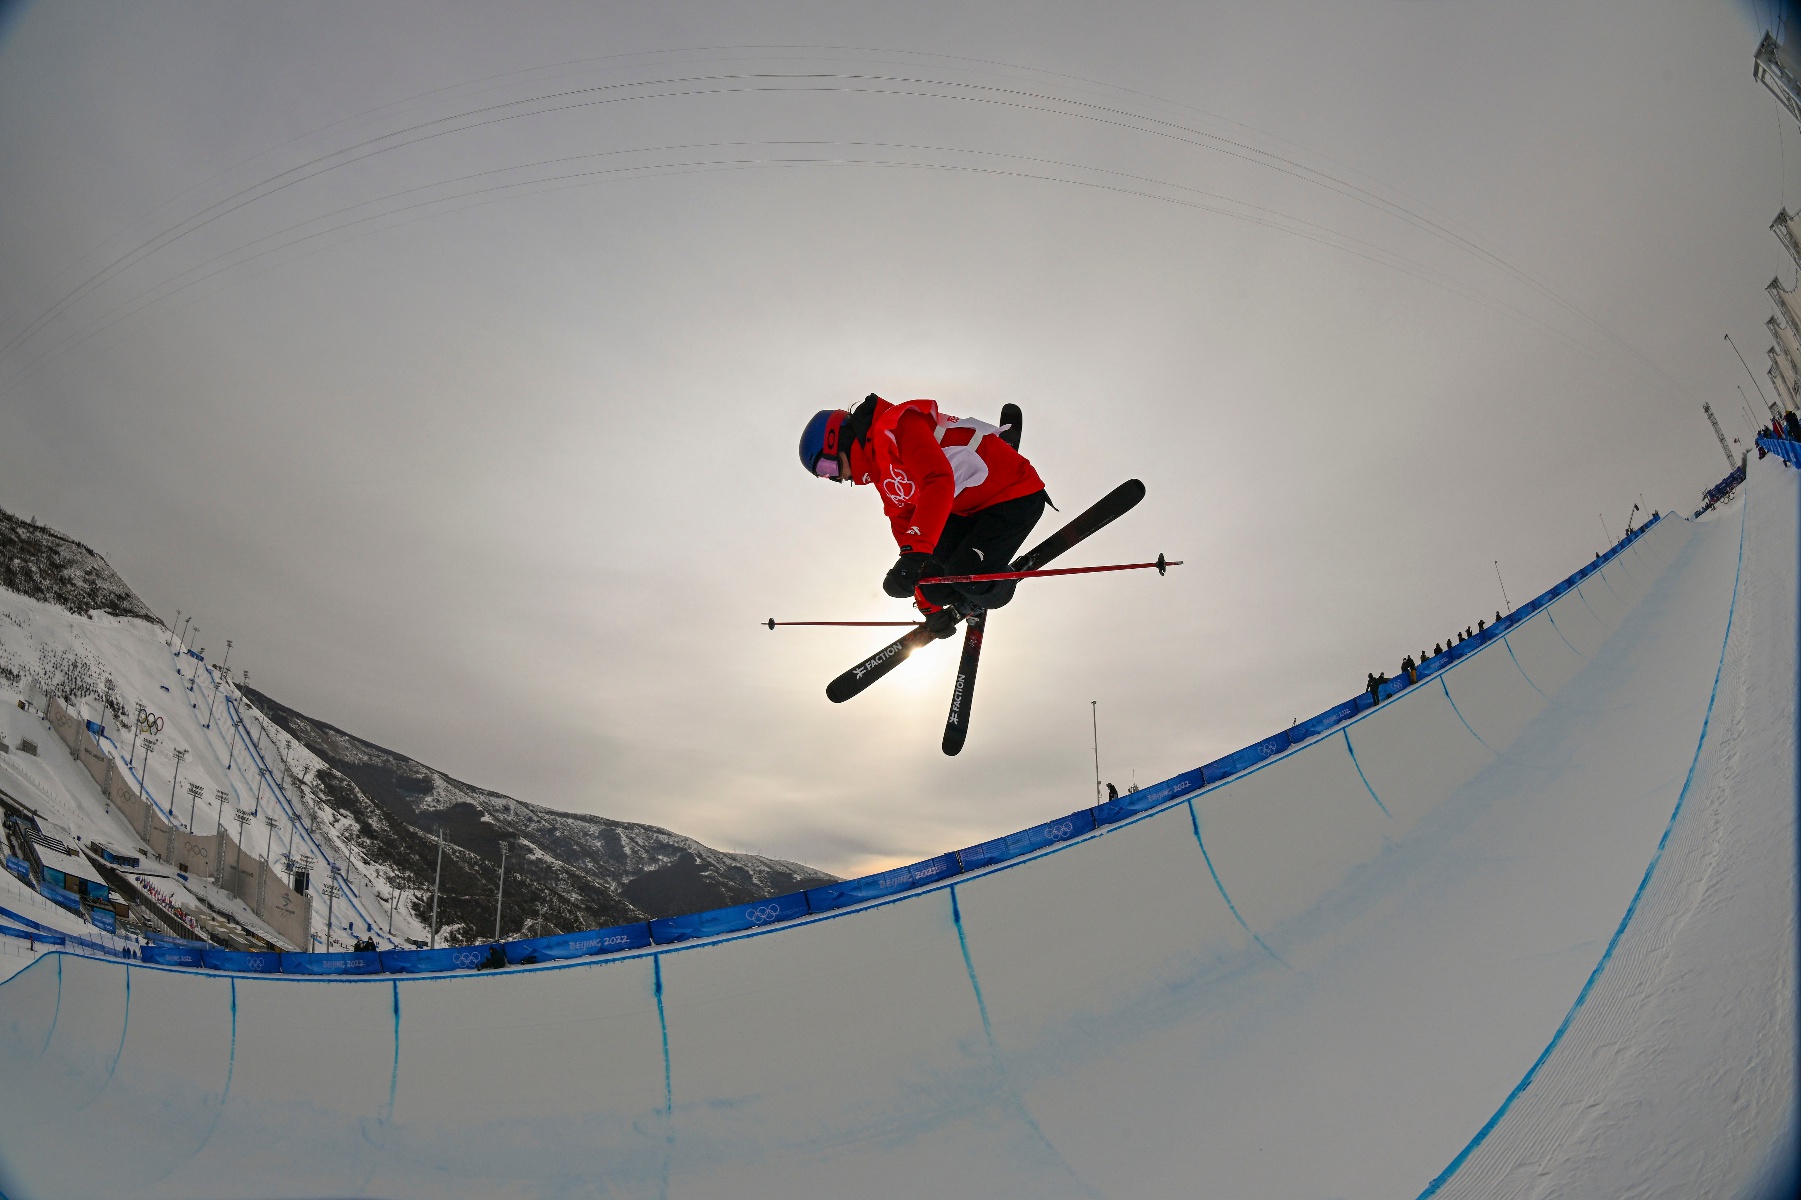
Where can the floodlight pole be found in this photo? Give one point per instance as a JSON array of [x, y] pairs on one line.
[[242, 819], [1748, 371], [144, 772], [208, 723], [500, 895], [179, 753], [436, 880], [331, 895], [1094, 720], [137, 724]]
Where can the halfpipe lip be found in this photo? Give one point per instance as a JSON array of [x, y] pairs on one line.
[[951, 882]]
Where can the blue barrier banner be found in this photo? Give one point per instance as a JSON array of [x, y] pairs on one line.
[[1269, 747], [22, 919], [33, 935], [96, 729], [56, 895], [1158, 793], [172, 956], [1314, 726], [884, 883], [1788, 451], [430, 962], [1250, 756], [579, 945], [338, 962], [19, 867], [1027, 840], [625, 937], [105, 918], [1222, 768], [729, 920], [266, 962]]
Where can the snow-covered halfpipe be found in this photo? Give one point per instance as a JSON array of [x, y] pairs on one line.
[[1527, 928]]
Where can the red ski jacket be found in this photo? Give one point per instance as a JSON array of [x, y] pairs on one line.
[[928, 465]]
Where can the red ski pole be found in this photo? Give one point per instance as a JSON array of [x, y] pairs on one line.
[[1162, 564], [772, 623]]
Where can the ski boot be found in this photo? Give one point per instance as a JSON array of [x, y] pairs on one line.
[[1012, 424]]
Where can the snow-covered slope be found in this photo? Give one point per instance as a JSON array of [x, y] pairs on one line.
[[1525, 929], [193, 769], [365, 813]]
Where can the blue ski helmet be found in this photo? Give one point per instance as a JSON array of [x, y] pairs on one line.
[[819, 443]]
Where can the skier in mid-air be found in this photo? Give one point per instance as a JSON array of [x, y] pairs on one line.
[[961, 500], [958, 495]]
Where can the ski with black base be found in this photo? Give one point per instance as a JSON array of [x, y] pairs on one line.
[[956, 726], [963, 694], [1102, 513]]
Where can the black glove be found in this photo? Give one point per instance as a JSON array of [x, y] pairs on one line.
[[943, 623], [906, 572]]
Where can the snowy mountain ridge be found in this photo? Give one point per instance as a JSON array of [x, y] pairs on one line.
[[39, 562], [73, 630], [580, 870]]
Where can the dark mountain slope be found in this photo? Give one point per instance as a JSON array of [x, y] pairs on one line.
[[45, 565], [572, 870]]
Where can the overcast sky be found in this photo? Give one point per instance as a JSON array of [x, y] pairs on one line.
[[450, 358]]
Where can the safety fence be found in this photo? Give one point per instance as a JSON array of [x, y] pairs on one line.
[[18, 925], [829, 897], [257, 761], [215, 856], [1785, 449]]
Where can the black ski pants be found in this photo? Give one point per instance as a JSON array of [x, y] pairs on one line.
[[980, 543]]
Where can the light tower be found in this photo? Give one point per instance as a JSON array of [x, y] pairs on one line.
[[1785, 234], [1731, 463], [1770, 66]]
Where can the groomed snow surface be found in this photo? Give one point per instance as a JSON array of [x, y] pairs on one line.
[[225, 744], [1527, 929]]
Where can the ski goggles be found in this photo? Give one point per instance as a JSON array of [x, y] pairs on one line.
[[825, 468]]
